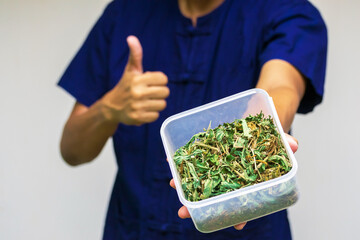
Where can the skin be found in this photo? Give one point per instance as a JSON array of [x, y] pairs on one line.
[[286, 86], [138, 98], [193, 9]]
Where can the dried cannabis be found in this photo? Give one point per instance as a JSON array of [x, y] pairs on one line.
[[231, 156]]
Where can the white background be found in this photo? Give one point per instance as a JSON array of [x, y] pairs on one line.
[[43, 198]]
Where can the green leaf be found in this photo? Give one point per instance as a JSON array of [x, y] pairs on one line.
[[193, 174], [203, 168], [250, 170], [230, 157], [228, 185], [219, 134], [246, 129], [258, 154], [211, 134], [281, 160], [252, 178], [197, 152], [240, 143], [208, 187], [214, 159], [180, 158]]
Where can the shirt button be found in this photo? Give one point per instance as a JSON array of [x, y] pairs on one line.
[[191, 30]]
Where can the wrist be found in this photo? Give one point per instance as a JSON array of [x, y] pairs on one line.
[[105, 115]]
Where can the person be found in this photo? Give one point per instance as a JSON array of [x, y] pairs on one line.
[[144, 61]]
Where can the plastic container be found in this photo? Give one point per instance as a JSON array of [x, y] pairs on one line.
[[244, 204]]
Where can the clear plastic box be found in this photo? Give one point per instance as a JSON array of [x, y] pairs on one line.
[[244, 204]]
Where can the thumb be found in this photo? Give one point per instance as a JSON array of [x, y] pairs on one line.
[[135, 54]]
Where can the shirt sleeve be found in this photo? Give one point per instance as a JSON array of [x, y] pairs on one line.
[[86, 77], [297, 34]]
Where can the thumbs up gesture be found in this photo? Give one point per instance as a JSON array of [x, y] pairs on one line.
[[138, 97]]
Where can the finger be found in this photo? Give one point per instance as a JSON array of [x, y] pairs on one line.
[[135, 55], [240, 226], [156, 92], [292, 142], [183, 212], [154, 78], [172, 183], [144, 117], [150, 105]]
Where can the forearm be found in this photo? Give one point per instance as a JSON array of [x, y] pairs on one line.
[[286, 104], [286, 86], [85, 134]]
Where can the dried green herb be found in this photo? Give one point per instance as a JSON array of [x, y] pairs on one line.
[[245, 207], [231, 156]]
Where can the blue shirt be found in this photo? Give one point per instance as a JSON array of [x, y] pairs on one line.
[[221, 56]]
